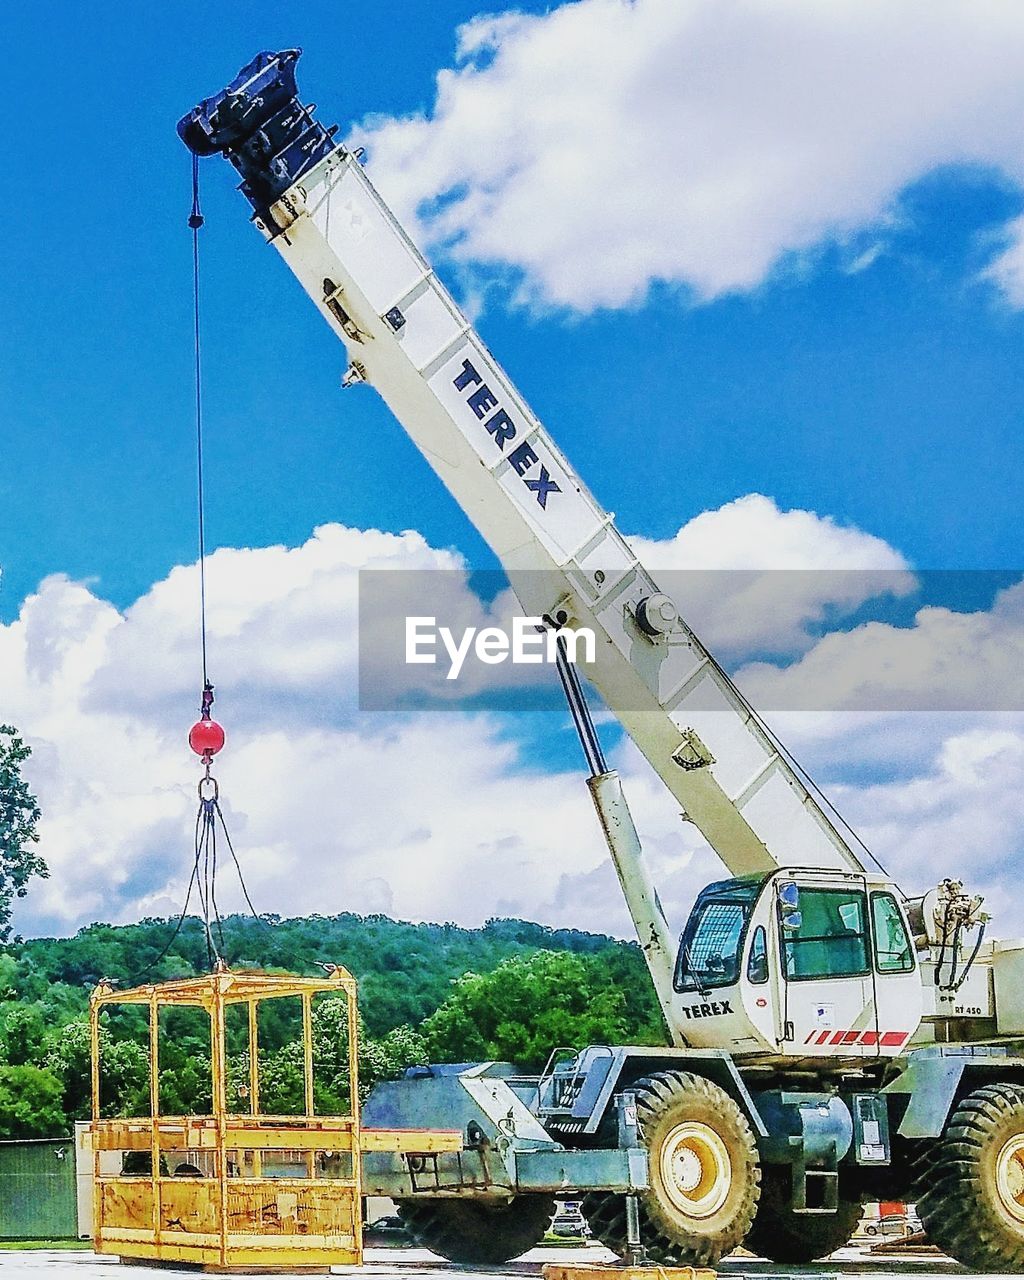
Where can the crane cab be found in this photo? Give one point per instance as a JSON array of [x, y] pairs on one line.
[[798, 964]]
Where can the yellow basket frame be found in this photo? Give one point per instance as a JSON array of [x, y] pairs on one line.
[[288, 1222]]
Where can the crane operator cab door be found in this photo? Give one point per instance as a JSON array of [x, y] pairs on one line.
[[800, 964], [850, 984]]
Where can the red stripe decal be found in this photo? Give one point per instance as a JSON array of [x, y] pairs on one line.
[[887, 1039]]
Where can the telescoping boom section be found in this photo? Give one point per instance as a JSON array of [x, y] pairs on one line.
[[563, 554]]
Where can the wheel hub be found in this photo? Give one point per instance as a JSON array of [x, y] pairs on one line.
[[695, 1168], [1010, 1176]]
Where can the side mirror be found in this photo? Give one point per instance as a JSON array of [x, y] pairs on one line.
[[789, 905], [789, 895]]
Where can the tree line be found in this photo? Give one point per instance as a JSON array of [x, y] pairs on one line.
[[511, 990]]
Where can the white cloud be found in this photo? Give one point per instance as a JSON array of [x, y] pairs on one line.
[[961, 817], [610, 144], [946, 660], [281, 620], [441, 816], [752, 532], [1007, 269], [429, 816], [750, 576]]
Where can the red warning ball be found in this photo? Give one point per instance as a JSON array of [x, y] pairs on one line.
[[206, 737]]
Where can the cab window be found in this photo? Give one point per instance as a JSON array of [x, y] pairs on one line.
[[757, 960], [711, 953], [827, 936], [711, 948], [893, 950]]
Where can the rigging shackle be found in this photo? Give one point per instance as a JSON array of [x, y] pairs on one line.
[[209, 790]]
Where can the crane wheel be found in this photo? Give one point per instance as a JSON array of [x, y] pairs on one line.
[[704, 1174], [971, 1197], [475, 1232], [782, 1235]]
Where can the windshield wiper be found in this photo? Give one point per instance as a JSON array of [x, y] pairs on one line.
[[695, 973]]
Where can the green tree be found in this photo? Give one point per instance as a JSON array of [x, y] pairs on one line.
[[31, 1104], [331, 1081], [405, 970], [22, 1036], [529, 1006], [388, 1057], [124, 1073], [187, 1089], [124, 1078], [68, 1057], [8, 979], [283, 1081], [380, 1058], [19, 818]]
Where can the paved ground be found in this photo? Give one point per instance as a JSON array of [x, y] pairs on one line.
[[417, 1264]]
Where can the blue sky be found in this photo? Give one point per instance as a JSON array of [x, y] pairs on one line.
[[890, 398], [725, 251]]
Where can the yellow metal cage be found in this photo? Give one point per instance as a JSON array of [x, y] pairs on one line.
[[235, 1188]]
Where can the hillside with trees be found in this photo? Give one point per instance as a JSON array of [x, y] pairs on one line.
[[428, 992]]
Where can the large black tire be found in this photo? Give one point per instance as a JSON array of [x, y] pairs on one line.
[[704, 1173], [970, 1195], [784, 1236], [474, 1232]]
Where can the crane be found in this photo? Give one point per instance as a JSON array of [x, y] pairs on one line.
[[820, 1022]]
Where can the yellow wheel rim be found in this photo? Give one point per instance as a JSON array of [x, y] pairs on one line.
[[1010, 1176], [696, 1171]]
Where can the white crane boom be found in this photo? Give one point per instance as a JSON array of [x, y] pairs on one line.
[[561, 550]]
